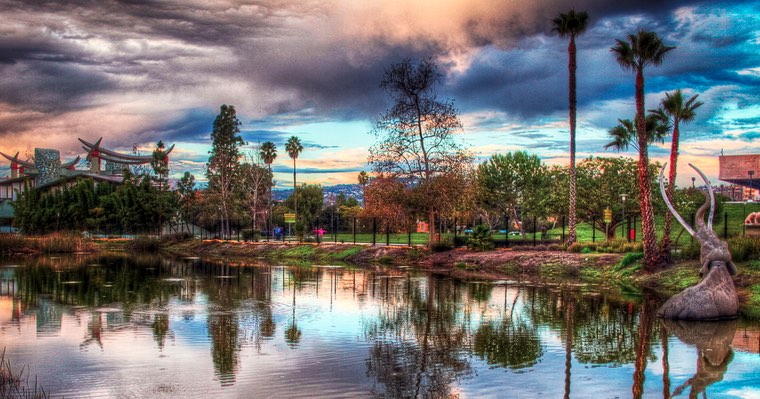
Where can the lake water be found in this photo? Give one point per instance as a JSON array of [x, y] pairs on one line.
[[132, 326]]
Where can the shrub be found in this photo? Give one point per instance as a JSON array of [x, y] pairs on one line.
[[144, 244], [177, 237], [250, 235], [480, 239], [744, 248], [615, 246], [441, 246], [61, 244], [461, 241], [629, 259], [12, 243]]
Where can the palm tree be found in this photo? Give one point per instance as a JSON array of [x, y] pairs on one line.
[[268, 152], [294, 148], [624, 135], [674, 110], [642, 49], [571, 25]]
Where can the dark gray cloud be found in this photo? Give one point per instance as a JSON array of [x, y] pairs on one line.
[[98, 66]]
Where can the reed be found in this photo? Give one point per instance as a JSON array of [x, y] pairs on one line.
[[17, 385]]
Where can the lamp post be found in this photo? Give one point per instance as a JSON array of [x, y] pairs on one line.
[[693, 180], [750, 173], [623, 197]]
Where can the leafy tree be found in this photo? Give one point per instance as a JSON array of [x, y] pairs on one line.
[[674, 110], [223, 163], [294, 148], [256, 182], [388, 199], [514, 183], [160, 164], [311, 198], [416, 141], [640, 50], [601, 181], [571, 25], [186, 195]]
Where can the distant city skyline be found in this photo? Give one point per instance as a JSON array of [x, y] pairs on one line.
[[136, 74]]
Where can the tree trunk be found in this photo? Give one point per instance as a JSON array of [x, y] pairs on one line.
[[651, 258], [295, 197], [670, 191], [571, 52], [642, 347]]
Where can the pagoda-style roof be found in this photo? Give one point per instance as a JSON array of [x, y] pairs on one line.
[[95, 150], [30, 165], [14, 159]]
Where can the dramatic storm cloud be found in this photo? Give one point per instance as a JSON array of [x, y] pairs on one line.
[[136, 72]]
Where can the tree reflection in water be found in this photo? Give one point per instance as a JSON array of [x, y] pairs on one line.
[[426, 334], [419, 337]]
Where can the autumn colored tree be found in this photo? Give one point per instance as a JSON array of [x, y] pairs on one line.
[[416, 134]]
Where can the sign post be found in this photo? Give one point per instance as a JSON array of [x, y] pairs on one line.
[[290, 218]]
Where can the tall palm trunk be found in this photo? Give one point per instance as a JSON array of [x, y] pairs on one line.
[[642, 348], [295, 188], [671, 191], [572, 68], [651, 258], [269, 205]]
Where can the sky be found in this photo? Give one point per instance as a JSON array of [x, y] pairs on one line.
[[136, 72]]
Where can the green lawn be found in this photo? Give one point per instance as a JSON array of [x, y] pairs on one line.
[[736, 214]]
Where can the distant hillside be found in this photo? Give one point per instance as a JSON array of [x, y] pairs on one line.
[[349, 190]]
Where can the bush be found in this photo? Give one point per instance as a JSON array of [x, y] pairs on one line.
[[615, 246], [629, 259], [460, 241], [744, 248], [12, 243], [441, 246], [62, 244], [177, 237], [250, 235], [144, 244], [480, 239]]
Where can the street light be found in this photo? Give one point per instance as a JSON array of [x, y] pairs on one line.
[[623, 197], [750, 173], [693, 179]]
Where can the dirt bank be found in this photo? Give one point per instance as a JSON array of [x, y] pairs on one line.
[[554, 267]]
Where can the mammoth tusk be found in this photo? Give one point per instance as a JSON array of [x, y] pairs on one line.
[[712, 196], [670, 206]]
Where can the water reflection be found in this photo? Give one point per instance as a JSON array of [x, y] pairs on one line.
[[233, 328], [714, 352]]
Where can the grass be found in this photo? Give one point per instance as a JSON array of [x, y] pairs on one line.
[[55, 243], [16, 385]]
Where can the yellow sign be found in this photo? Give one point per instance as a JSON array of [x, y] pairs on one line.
[[290, 218], [608, 215]]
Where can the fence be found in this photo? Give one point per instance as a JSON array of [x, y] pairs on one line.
[[375, 231]]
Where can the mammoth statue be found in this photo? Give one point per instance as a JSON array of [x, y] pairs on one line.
[[714, 297], [753, 218]]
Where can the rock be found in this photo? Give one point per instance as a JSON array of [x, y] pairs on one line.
[[713, 298]]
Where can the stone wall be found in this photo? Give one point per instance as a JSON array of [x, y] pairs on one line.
[[48, 164]]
